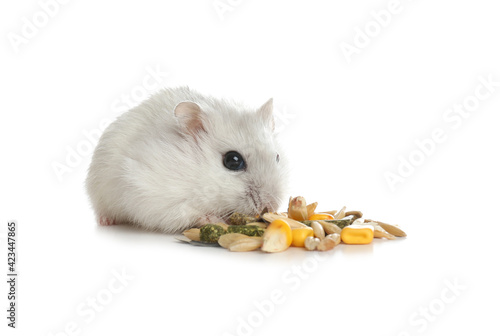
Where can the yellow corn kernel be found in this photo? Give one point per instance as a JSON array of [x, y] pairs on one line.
[[320, 216], [357, 234], [299, 236], [277, 237]]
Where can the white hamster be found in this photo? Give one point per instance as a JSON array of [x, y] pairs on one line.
[[181, 159]]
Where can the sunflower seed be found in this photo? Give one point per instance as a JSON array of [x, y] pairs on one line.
[[246, 244], [193, 234], [319, 232]]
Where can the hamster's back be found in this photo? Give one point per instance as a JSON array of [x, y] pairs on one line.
[[118, 156]]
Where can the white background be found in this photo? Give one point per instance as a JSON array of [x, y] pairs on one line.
[[345, 125]]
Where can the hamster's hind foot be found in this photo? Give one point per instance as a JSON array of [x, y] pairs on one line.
[[105, 221]]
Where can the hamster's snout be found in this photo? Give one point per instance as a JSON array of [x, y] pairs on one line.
[[260, 199]]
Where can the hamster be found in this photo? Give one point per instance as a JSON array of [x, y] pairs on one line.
[[181, 159]]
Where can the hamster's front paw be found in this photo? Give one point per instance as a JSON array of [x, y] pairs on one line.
[[209, 219], [105, 221]]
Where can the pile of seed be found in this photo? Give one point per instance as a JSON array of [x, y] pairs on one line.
[[301, 227]]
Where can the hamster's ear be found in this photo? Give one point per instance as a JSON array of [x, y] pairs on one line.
[[266, 113], [189, 116]]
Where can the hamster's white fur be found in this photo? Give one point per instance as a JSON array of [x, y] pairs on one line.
[[161, 167]]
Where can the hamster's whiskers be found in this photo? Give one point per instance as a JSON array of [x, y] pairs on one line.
[[254, 196]]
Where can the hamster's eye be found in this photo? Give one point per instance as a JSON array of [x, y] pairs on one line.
[[234, 161], [277, 158]]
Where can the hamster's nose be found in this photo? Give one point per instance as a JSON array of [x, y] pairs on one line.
[[271, 206]]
